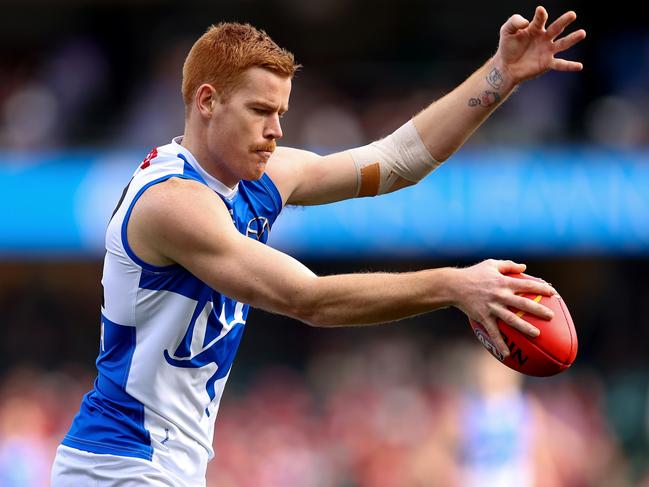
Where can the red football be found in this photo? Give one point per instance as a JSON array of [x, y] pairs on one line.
[[553, 351]]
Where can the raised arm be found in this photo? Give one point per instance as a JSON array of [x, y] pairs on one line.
[[180, 221], [526, 50]]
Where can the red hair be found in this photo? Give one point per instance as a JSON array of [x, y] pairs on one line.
[[221, 55]]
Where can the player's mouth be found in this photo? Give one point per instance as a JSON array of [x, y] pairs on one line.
[[265, 150], [265, 154]]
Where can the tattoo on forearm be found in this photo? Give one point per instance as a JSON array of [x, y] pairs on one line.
[[487, 99], [495, 78]]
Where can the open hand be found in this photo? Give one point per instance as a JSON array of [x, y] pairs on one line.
[[527, 49]]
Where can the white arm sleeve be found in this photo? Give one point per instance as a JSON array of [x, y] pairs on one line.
[[399, 160]]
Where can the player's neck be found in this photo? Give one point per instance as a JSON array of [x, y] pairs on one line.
[[215, 168]]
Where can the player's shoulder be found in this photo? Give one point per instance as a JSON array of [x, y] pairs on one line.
[[287, 166], [177, 191], [177, 210]]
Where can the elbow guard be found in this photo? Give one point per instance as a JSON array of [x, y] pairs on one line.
[[401, 159]]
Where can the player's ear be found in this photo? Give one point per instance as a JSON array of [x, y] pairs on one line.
[[206, 100]]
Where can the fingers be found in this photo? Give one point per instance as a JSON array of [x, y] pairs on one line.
[[554, 30], [557, 27], [515, 23], [510, 267], [564, 65], [531, 306], [515, 321], [570, 40], [497, 339], [530, 286], [540, 18]]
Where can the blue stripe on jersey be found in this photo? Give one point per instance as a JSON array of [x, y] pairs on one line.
[[111, 421], [178, 281], [225, 350], [127, 247]]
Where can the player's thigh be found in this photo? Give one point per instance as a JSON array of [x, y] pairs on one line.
[[74, 468]]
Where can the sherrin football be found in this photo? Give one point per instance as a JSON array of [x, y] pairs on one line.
[[553, 351]]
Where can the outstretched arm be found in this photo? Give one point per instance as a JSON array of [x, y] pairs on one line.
[[526, 50], [180, 221]]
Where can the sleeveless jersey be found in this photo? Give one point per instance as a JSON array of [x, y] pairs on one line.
[[168, 340]]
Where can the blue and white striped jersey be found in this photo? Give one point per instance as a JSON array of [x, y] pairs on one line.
[[498, 441], [168, 340]]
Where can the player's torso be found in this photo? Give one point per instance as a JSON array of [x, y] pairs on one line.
[[497, 446], [167, 339]]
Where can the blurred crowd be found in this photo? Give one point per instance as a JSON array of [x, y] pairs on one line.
[[51, 106], [86, 86], [383, 414]]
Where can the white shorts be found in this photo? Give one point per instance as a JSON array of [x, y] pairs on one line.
[[75, 468]]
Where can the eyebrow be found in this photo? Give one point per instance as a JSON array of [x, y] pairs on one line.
[[269, 105]]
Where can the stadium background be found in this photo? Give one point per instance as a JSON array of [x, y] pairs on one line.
[[87, 88]]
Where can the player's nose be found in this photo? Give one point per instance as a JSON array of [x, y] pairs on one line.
[[273, 128]]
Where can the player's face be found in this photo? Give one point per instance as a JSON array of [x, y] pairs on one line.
[[244, 127]]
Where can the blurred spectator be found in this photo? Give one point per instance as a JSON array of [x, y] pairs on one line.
[[48, 107], [25, 449], [502, 431], [30, 118], [156, 112], [77, 72], [619, 121]]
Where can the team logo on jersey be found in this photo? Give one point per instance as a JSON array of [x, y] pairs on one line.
[[210, 339], [257, 227]]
